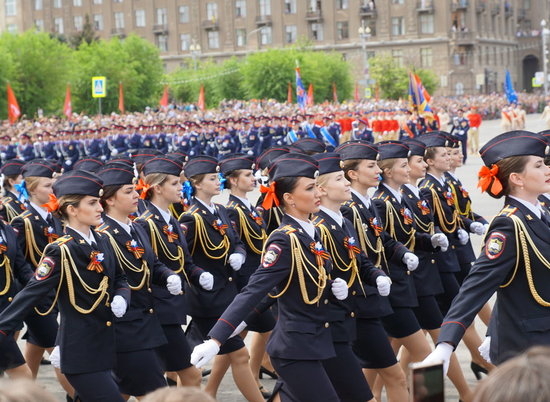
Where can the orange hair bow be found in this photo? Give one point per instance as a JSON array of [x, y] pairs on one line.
[[486, 177], [51, 205], [143, 187], [270, 196]]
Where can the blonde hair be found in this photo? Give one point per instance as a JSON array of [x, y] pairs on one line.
[[154, 179], [386, 164], [32, 183], [197, 179], [322, 180], [65, 201]]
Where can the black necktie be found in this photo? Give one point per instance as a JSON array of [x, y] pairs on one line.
[[133, 233], [94, 245], [49, 220], [544, 217]]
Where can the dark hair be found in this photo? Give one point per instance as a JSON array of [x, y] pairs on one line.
[[430, 153], [197, 179], [285, 185], [507, 166], [234, 174], [108, 192], [351, 164], [7, 178]]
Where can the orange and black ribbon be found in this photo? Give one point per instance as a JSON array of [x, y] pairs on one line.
[[3, 247], [167, 230], [50, 234], [133, 248], [407, 216], [143, 187], [219, 226], [320, 253], [96, 258], [350, 244], [51, 205], [257, 218], [270, 196], [375, 224], [423, 206], [486, 177]]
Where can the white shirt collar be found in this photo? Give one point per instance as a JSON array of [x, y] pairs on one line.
[[210, 207], [396, 194], [306, 225], [453, 175], [124, 225], [88, 237], [337, 216], [165, 214], [441, 180], [41, 211], [365, 199], [245, 201], [414, 189], [536, 209]]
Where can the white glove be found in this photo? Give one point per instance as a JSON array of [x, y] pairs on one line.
[[240, 328], [485, 228], [103, 157], [204, 352], [463, 236], [55, 358], [477, 228], [236, 261], [206, 280], [68, 162], [114, 152], [339, 288], [411, 261], [484, 349], [250, 152], [3, 155], [118, 306], [383, 284], [441, 241], [173, 284], [442, 353]]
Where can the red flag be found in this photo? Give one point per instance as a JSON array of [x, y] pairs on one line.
[[164, 100], [334, 93], [356, 96], [121, 98], [310, 95], [13, 107], [289, 94], [67, 107], [202, 101]]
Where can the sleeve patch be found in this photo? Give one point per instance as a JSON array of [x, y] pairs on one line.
[[183, 228], [495, 245], [45, 268], [271, 256]]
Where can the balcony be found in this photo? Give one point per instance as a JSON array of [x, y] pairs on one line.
[[367, 11], [463, 38], [425, 6], [211, 24], [118, 32], [262, 20], [459, 5], [495, 10], [522, 14], [314, 15], [508, 11], [480, 7], [160, 29]]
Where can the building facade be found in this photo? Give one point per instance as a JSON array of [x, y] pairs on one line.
[[469, 44]]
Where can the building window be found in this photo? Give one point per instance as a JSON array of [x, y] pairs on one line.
[[98, 22], [162, 19], [427, 23], [265, 7], [184, 14], [397, 26], [77, 3], [342, 30], [265, 36], [398, 57], [38, 5], [58, 25], [213, 40], [317, 31], [240, 8], [342, 4], [39, 25], [291, 33], [212, 11], [185, 42], [11, 8], [162, 43], [98, 1], [117, 1], [11, 28], [119, 20], [426, 57], [78, 23], [290, 7], [57, 4], [398, 1], [241, 37], [140, 18]]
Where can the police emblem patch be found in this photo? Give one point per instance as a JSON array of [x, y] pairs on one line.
[[45, 269], [495, 245], [271, 256]]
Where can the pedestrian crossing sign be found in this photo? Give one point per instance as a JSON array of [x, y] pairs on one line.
[[99, 87]]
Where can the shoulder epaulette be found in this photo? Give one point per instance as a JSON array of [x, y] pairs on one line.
[[25, 215], [232, 204], [427, 185], [145, 216], [62, 240], [287, 229], [6, 200], [508, 210], [102, 228], [317, 221], [192, 210], [349, 204]]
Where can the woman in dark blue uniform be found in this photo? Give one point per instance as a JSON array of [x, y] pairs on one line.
[[298, 267], [515, 259], [351, 264], [11, 204], [215, 245], [90, 290], [162, 188], [138, 369], [372, 345]]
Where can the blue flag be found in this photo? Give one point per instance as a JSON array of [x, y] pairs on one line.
[[300, 91], [511, 95], [329, 139], [291, 137]]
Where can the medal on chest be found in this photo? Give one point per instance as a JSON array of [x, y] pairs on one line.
[[96, 258]]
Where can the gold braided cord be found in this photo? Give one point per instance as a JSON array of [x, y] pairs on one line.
[[365, 242], [445, 225], [248, 232], [468, 210], [425, 227], [31, 250], [11, 213], [201, 236], [391, 216], [128, 265], [299, 264], [157, 239], [7, 269]]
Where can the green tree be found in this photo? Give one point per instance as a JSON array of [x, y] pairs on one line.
[[391, 78], [7, 74], [88, 34], [230, 83], [429, 79]]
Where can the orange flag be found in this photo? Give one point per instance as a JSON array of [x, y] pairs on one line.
[[334, 93], [310, 95], [202, 100], [289, 93], [67, 107], [13, 107], [356, 96], [164, 99], [120, 98]]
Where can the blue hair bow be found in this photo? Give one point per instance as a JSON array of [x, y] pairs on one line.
[[22, 190], [187, 190], [222, 181]]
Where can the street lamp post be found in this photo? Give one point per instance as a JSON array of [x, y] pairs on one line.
[[364, 33], [195, 49], [544, 34]]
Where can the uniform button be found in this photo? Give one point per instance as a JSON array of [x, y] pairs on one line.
[[353, 293], [230, 279], [433, 261], [150, 290], [10, 299], [327, 325], [326, 301], [151, 311], [352, 314], [108, 323], [408, 272], [453, 247]]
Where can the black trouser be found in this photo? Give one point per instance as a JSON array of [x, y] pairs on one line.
[[98, 386]]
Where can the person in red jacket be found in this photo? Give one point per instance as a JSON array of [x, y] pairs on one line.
[[475, 121]]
